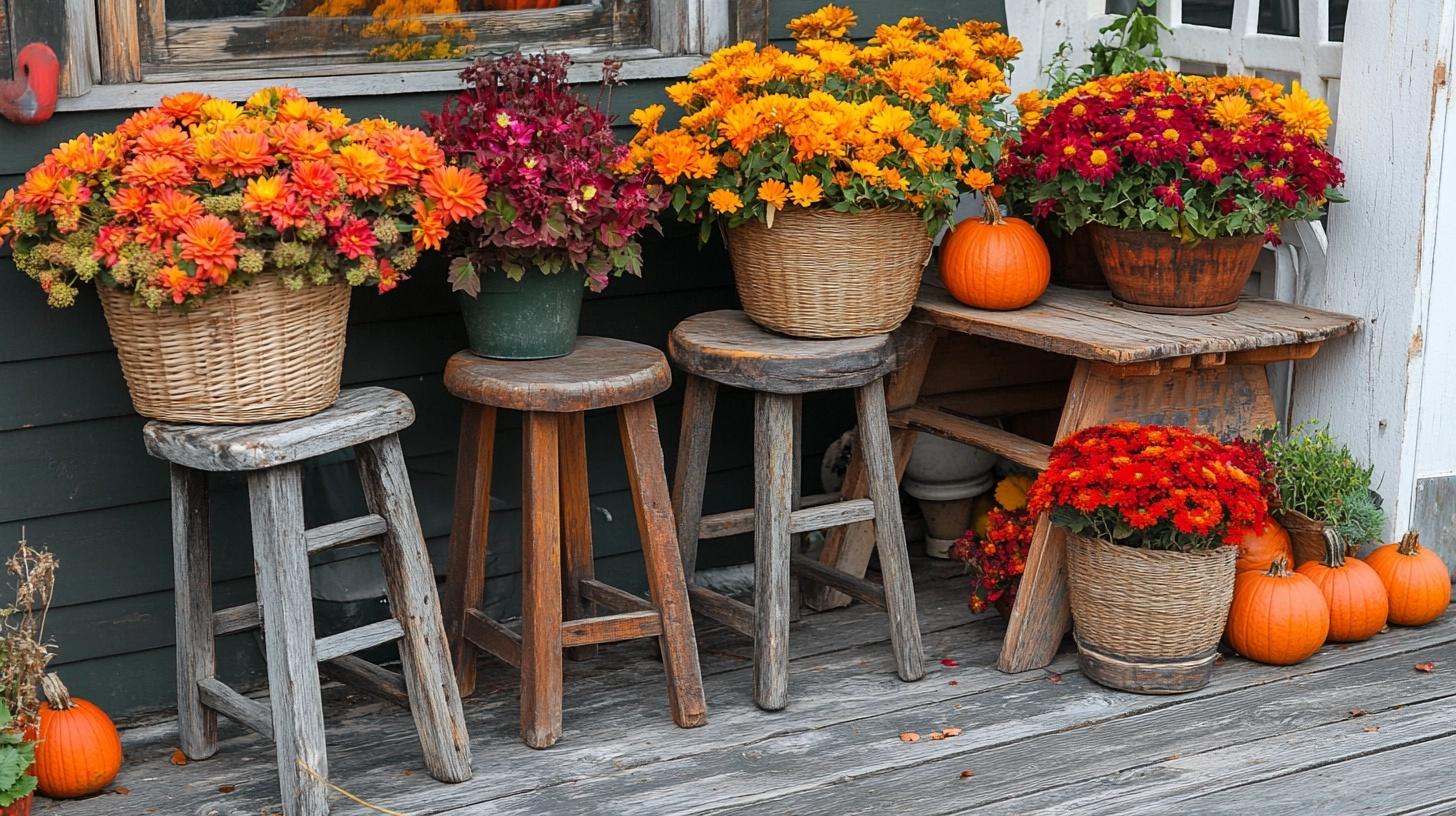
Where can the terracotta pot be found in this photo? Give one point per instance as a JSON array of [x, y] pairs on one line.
[[1150, 271], [1074, 259], [1306, 536], [20, 807]]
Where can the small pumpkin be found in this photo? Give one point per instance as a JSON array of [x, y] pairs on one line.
[[1277, 617], [79, 751], [1359, 604], [995, 262], [1416, 579], [1011, 491], [1258, 550]]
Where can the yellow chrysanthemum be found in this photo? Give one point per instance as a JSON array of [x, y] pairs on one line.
[[806, 191], [1231, 111], [725, 201], [774, 192], [1303, 114]]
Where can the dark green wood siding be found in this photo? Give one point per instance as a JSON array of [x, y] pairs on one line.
[[76, 477]]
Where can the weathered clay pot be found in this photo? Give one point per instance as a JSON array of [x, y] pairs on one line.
[[1151, 271], [1074, 260]]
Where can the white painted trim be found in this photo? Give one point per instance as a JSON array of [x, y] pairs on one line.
[[144, 94]]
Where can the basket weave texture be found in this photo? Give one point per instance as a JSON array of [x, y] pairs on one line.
[[1306, 536], [1149, 603], [257, 354], [820, 273]]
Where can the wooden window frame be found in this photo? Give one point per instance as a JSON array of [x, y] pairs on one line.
[[110, 49]]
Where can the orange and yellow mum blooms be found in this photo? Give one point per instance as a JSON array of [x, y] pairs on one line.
[[199, 195], [908, 119]]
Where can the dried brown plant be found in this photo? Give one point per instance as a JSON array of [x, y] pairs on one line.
[[24, 650]]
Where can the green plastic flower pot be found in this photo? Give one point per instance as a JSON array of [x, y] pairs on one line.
[[534, 318]]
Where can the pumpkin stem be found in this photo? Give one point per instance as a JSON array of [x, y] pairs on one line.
[[56, 694], [1279, 568], [993, 210], [1410, 543], [1334, 548]]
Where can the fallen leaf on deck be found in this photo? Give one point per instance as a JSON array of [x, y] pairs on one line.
[[179, 758], [1178, 755], [954, 683], [1218, 661], [1428, 666], [949, 661], [1054, 678], [121, 791], [909, 736], [937, 735], [1370, 729], [952, 732], [967, 774], [226, 788], [1357, 712]]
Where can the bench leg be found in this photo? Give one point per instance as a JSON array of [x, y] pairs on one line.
[[690, 475], [434, 699], [879, 464], [281, 560], [196, 650], [576, 530], [540, 584], [773, 502], [665, 579], [465, 578]]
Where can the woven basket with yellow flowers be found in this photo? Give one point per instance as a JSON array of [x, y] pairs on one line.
[[831, 167]]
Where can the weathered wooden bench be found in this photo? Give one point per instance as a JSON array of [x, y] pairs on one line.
[[1077, 353], [367, 420]]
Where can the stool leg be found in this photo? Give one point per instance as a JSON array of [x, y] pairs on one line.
[[796, 592], [410, 585], [691, 472], [772, 504], [879, 463], [576, 531], [665, 580], [540, 584], [465, 579], [196, 651], [281, 560]]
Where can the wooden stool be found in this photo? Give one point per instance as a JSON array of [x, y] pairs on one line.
[[726, 347], [556, 546], [368, 420]]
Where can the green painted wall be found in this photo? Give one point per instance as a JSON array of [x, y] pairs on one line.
[[76, 477]]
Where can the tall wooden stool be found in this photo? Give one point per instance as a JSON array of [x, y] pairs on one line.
[[368, 420], [556, 546], [727, 348]]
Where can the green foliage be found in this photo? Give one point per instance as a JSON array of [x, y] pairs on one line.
[[1128, 44], [1319, 477], [16, 755]]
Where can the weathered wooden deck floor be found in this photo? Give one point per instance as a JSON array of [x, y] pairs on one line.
[[1355, 730]]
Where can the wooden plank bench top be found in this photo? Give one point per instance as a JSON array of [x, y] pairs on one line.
[[1088, 325]]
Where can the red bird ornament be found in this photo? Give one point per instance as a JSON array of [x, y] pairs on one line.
[[30, 98]]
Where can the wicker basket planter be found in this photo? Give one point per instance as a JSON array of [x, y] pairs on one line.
[[1306, 536], [1148, 621], [258, 354], [820, 273]]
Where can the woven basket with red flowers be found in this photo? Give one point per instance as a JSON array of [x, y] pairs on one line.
[[1182, 178], [1154, 516], [223, 239]]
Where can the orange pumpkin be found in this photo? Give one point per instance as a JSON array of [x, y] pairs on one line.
[[79, 751], [994, 262], [1359, 604], [1416, 579], [1259, 550], [1277, 616]]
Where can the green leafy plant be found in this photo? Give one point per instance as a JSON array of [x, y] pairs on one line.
[[16, 756], [1319, 477], [1127, 44]]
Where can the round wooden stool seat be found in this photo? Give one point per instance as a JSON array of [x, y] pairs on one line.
[[726, 347], [599, 373]]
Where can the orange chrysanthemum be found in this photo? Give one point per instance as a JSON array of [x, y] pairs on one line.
[[775, 192], [242, 152], [211, 243], [173, 210], [365, 172], [806, 191], [458, 193], [156, 171]]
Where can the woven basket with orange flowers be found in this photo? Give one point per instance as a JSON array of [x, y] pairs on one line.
[[831, 167], [224, 239]]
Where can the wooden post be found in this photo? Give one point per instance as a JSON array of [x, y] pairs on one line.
[[540, 584], [576, 529], [281, 559], [121, 56], [690, 475], [196, 649], [424, 654], [773, 503]]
